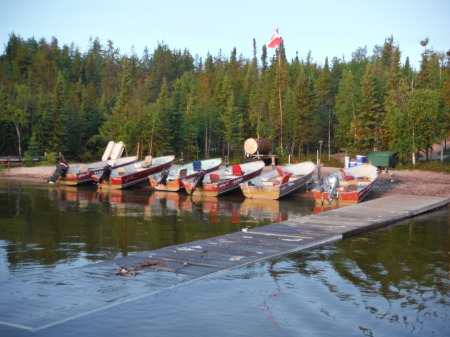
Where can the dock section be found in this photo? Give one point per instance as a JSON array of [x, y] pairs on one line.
[[101, 287]]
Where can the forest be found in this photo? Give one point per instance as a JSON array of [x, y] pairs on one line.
[[57, 99]]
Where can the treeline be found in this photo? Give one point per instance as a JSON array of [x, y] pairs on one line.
[[58, 99]]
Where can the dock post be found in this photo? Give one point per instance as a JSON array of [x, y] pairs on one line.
[[318, 165]]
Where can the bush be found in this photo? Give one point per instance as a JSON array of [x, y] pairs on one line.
[[52, 157], [28, 161]]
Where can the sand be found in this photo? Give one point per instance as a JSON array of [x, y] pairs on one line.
[[413, 182]]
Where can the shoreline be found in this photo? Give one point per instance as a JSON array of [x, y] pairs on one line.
[[412, 182]]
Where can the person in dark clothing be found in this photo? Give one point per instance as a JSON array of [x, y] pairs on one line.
[[60, 172]]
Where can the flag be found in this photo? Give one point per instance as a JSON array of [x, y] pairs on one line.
[[275, 40]]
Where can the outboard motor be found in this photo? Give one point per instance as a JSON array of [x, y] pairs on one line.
[[106, 174], [60, 172], [163, 179], [333, 185], [198, 181]]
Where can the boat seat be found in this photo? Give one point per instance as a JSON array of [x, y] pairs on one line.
[[214, 178], [346, 177], [84, 168], [280, 171], [147, 161], [182, 172], [286, 177], [237, 170], [121, 171]]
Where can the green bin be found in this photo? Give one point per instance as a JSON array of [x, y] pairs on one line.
[[383, 158]]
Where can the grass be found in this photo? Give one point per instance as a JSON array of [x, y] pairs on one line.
[[432, 165]]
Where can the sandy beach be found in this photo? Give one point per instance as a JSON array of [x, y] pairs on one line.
[[413, 182]]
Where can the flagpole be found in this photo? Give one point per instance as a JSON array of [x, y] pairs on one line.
[[275, 41], [279, 98]]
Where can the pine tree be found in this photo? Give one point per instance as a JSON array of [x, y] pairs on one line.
[[54, 122], [346, 108], [367, 120]]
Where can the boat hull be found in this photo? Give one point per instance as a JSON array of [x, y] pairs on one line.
[[230, 183], [349, 192], [271, 185], [137, 177], [174, 183], [86, 178]]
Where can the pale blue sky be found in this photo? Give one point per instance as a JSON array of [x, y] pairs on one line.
[[326, 28]]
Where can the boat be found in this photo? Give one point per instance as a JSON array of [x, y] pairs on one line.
[[171, 180], [83, 174], [135, 173], [223, 180], [279, 182], [346, 186]]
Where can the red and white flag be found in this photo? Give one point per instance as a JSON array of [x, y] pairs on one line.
[[275, 40]]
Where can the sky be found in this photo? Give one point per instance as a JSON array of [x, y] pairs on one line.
[[326, 28]]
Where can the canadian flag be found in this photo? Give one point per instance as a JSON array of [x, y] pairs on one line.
[[275, 40]]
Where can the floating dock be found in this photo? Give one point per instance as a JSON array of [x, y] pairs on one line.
[[152, 272]]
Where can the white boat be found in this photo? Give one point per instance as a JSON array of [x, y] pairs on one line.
[[172, 180], [83, 174], [136, 173], [223, 180], [346, 186], [279, 182]]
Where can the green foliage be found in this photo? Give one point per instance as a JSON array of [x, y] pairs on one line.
[[59, 99], [28, 161], [52, 157], [432, 165]]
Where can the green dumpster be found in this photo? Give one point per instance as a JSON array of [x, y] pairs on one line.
[[383, 158]]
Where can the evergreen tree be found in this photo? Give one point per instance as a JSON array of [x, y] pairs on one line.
[[322, 90], [115, 122], [367, 119], [162, 136], [54, 120], [191, 150], [346, 108], [303, 120], [395, 103]]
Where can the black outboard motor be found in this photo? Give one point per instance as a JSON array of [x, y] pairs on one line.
[[60, 172], [163, 179], [106, 174], [198, 181]]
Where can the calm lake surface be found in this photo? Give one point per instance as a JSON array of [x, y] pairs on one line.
[[391, 282]]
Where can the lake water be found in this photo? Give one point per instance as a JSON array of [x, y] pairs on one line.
[[391, 282]]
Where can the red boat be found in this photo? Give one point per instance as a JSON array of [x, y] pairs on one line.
[[136, 173], [83, 174], [349, 186], [223, 180]]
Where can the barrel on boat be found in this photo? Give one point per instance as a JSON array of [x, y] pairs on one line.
[[261, 146]]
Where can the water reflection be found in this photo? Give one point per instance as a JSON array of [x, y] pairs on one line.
[[63, 226], [390, 282], [397, 275]]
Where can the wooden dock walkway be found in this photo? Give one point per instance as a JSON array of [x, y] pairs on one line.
[[168, 267], [204, 257]]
